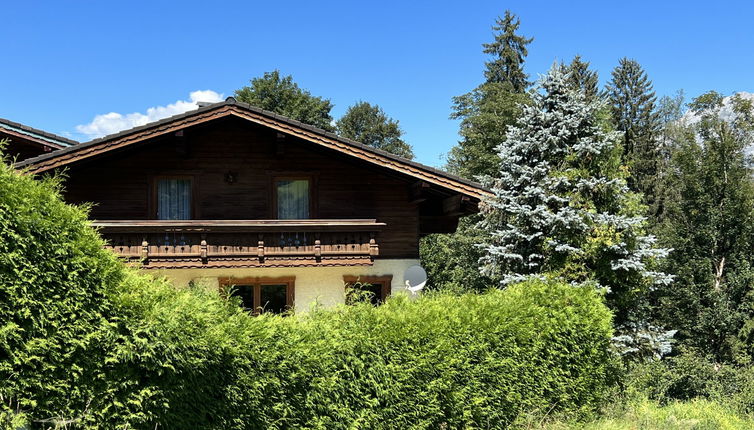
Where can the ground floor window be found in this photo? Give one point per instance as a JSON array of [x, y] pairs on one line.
[[376, 289], [261, 295]]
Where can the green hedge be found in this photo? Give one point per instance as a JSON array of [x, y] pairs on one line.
[[54, 282], [88, 343]]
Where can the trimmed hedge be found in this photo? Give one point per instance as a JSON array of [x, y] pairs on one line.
[[88, 343], [55, 280]]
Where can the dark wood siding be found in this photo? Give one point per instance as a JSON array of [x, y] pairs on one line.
[[121, 183]]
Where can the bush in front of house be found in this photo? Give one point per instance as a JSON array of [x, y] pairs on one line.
[[54, 282], [442, 361], [88, 343]]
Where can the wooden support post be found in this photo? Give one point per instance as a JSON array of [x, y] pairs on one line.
[[280, 144], [181, 144]]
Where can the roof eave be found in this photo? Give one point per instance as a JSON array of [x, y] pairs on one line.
[[232, 107]]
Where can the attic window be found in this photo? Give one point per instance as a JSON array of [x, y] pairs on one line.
[[293, 197], [173, 198]]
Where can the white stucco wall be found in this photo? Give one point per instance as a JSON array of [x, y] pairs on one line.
[[323, 285]]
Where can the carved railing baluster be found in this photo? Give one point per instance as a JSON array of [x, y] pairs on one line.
[[203, 245], [260, 248], [188, 245]]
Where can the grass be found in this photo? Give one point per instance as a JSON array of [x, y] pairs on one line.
[[648, 415]]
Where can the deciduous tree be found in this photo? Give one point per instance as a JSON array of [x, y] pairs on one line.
[[709, 222], [368, 124], [281, 95]]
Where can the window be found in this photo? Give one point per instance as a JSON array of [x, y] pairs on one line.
[[377, 287], [293, 198], [258, 295], [173, 198]]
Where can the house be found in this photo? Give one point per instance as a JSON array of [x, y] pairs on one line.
[[26, 142], [231, 195]]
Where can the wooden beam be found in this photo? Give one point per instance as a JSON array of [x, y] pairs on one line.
[[437, 224], [453, 205], [181, 144], [279, 144], [416, 192]]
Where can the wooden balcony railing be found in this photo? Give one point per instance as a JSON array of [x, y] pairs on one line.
[[242, 243]]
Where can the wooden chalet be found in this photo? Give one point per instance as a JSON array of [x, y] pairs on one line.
[[26, 142], [231, 195]]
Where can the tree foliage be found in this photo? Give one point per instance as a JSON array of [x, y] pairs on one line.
[[489, 109], [633, 107], [560, 203], [582, 78], [485, 113], [368, 124], [279, 94], [508, 51], [709, 222]]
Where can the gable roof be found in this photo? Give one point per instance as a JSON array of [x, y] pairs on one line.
[[40, 137], [231, 107]]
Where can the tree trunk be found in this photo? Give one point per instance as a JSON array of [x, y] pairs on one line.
[[719, 273]]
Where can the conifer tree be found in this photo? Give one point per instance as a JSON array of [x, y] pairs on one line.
[[508, 53], [582, 78], [632, 104], [370, 125], [452, 261], [561, 205], [486, 111]]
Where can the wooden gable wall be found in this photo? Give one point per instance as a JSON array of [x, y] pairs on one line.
[[121, 184]]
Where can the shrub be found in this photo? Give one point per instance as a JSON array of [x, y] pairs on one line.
[[691, 375], [54, 279], [88, 343], [441, 360], [648, 415]]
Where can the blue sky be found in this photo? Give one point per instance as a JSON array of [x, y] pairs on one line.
[[66, 62]]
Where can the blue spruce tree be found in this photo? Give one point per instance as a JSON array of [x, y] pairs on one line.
[[561, 206]]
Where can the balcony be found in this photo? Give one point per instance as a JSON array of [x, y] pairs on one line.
[[168, 244]]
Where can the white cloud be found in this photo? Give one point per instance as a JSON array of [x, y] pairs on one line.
[[113, 122]]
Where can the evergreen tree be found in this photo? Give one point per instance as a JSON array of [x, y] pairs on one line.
[[561, 205], [632, 104], [489, 109], [283, 96], [370, 125], [452, 260], [508, 52], [582, 78], [709, 222]]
